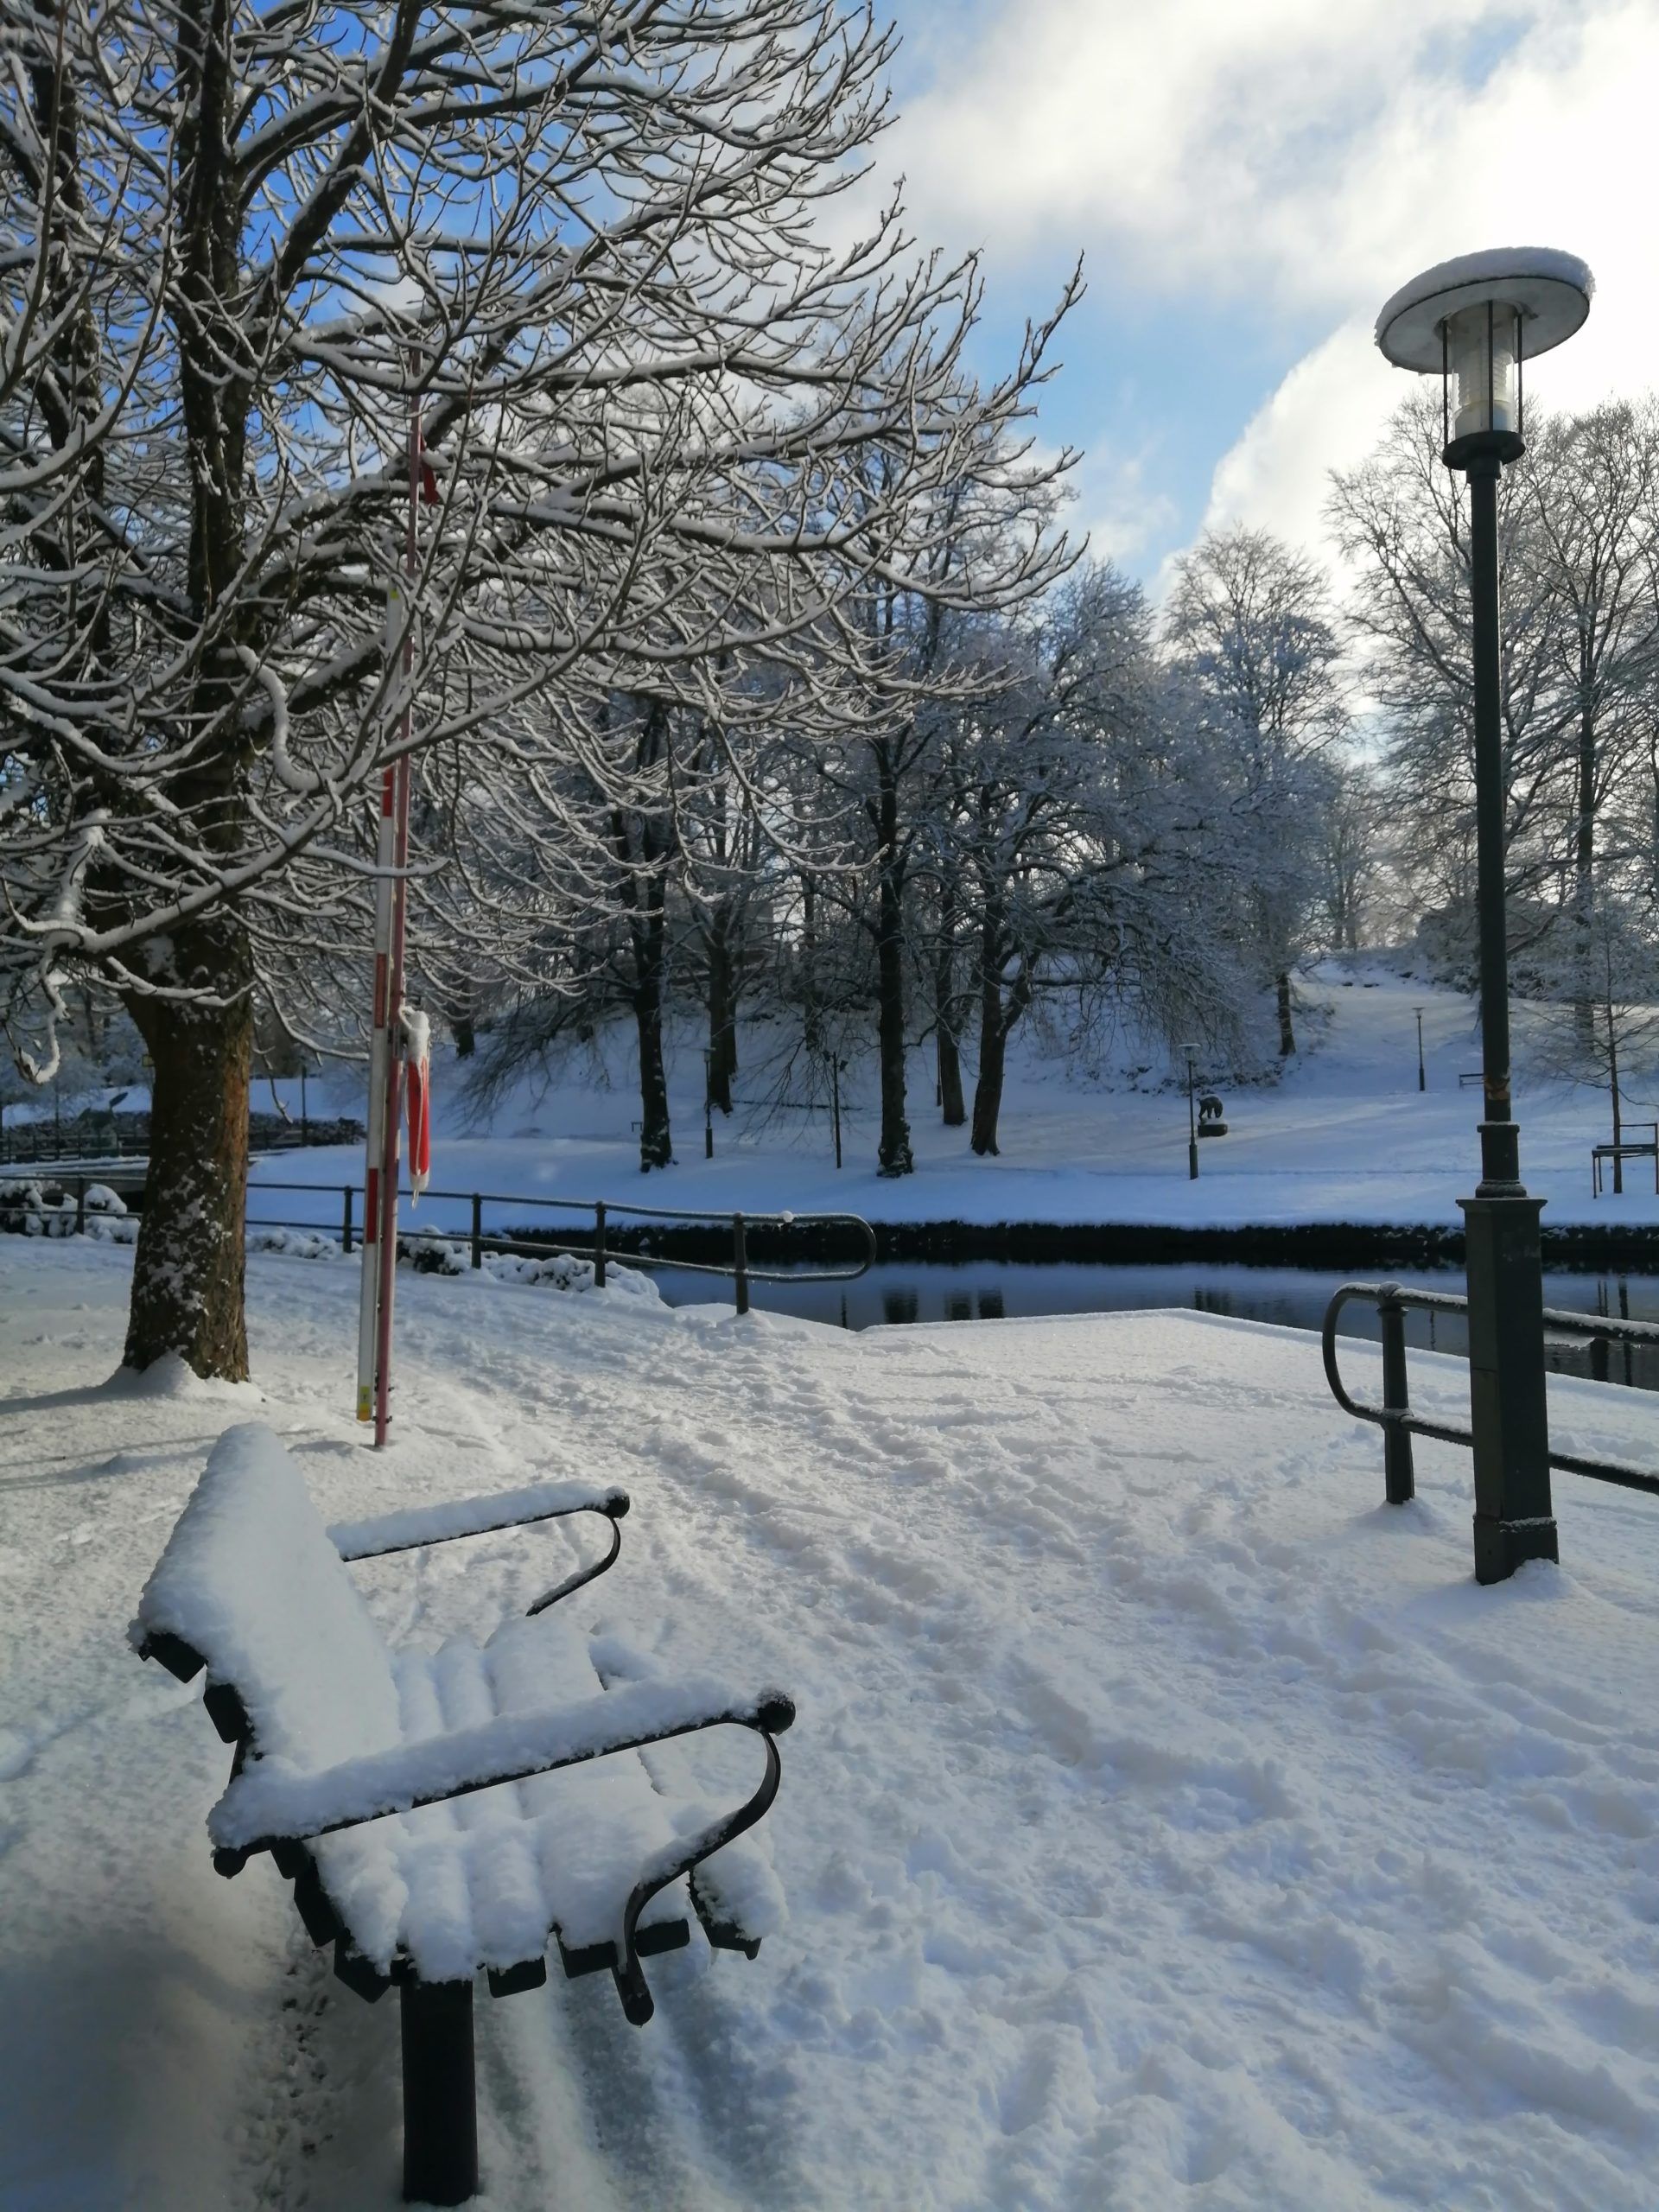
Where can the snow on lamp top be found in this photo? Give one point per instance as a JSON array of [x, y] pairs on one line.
[[1549, 292]]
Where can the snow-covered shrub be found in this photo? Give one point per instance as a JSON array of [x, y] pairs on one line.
[[296, 1243], [31, 1206], [432, 1255]]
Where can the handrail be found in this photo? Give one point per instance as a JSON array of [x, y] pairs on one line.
[[740, 1273], [1398, 1423]]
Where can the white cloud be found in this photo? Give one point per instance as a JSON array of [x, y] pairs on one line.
[[1554, 151]]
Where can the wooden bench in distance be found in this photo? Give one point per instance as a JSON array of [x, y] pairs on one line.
[[444, 1813]]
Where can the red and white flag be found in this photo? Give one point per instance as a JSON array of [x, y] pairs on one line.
[[417, 1049]]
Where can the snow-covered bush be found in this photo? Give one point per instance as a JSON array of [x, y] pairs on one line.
[[296, 1243], [39, 1205]]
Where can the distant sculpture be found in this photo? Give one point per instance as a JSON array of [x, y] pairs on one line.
[[1211, 1123]]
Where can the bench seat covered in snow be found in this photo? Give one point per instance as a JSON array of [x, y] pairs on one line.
[[444, 1813]]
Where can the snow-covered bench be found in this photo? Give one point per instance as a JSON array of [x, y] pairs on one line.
[[440, 1812]]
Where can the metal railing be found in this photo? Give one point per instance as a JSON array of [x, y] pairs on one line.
[[597, 1247], [1399, 1424], [513, 1240]]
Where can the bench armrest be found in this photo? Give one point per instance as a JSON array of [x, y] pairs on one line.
[[269, 1802], [417, 1525]]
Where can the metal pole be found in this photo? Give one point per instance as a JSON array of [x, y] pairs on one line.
[[440, 2101], [1398, 1476], [741, 1263], [598, 1245], [1423, 1079], [1191, 1128], [345, 1221], [1514, 1520], [834, 1101], [387, 1253], [708, 1105], [478, 1230]]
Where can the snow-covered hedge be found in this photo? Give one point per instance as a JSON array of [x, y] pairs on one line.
[[39, 1205], [564, 1271]]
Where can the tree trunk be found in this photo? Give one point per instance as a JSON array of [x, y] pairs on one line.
[[811, 1016], [1286, 1034], [894, 1155], [649, 937], [188, 1270], [951, 1108], [723, 1012], [997, 1020]]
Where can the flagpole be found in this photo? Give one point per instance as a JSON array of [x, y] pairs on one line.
[[385, 1059]]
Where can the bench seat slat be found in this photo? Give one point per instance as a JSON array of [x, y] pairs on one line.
[[485, 1879]]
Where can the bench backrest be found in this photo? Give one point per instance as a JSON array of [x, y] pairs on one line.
[[249, 1579]]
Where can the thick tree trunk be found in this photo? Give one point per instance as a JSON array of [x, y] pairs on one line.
[[894, 1155], [189, 1266], [987, 1090], [1287, 1033]]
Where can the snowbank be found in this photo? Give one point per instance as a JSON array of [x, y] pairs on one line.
[[1167, 1821]]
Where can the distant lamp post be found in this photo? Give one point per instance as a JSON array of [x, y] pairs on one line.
[[708, 1103], [1191, 1052], [1423, 1079], [1473, 323]]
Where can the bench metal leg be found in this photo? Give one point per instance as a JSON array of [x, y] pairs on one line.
[[440, 2108]]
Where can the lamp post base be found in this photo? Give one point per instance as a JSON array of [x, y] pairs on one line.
[[1191, 1159], [1514, 1518]]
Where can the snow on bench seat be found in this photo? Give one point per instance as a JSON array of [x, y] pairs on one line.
[[349, 1736]]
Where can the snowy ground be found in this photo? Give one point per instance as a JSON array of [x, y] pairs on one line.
[[1346, 1136], [1167, 1822]]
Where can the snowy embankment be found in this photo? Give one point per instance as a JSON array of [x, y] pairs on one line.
[[1346, 1137], [1166, 1821]]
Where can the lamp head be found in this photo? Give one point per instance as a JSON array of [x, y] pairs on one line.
[[1472, 322]]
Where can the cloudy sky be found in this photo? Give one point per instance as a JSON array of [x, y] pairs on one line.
[[1247, 181]]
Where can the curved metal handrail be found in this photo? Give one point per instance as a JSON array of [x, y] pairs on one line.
[[1404, 1422]]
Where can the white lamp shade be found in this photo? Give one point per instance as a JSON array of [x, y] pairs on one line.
[[1550, 291]]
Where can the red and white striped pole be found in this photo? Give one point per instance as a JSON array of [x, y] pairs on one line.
[[386, 1052]]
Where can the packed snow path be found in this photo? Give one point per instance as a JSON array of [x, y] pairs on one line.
[[1167, 1821]]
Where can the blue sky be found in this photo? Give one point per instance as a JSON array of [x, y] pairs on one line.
[[1248, 180]]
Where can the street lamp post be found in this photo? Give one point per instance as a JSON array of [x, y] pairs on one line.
[[1191, 1124], [1423, 1080], [708, 1103], [1472, 322]]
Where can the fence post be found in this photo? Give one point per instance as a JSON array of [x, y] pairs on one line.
[[599, 1244], [741, 1263], [1399, 1478], [478, 1230], [80, 1205], [346, 1222]]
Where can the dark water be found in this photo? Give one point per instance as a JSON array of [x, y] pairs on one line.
[[1294, 1297]]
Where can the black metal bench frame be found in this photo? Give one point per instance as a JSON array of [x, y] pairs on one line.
[[1643, 1148], [439, 2080]]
